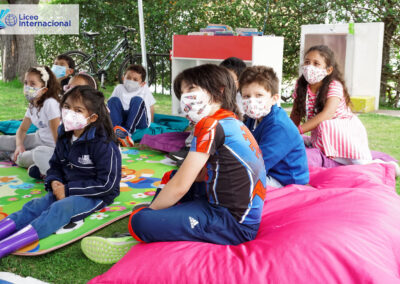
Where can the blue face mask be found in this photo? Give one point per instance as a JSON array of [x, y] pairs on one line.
[[59, 71]]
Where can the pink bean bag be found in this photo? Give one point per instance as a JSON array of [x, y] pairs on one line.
[[343, 229]]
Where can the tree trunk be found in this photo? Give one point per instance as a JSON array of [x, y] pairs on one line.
[[18, 51], [390, 28], [10, 57]]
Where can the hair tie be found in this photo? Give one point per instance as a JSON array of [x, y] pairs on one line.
[[44, 75]]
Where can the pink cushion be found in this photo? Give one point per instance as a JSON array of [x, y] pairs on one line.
[[344, 229]]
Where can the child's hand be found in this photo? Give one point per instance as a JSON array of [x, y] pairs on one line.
[[58, 189], [18, 150]]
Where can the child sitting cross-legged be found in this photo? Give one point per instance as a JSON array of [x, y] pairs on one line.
[[84, 174], [217, 195], [131, 105], [280, 142]]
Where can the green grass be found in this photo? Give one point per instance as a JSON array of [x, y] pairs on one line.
[[69, 265], [13, 104]]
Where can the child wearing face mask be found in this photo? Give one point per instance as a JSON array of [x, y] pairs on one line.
[[235, 67], [41, 90], [63, 68], [322, 106], [81, 79], [131, 105], [217, 195], [42, 154], [84, 174], [281, 144]]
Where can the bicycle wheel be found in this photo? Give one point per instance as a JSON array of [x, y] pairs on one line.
[[82, 62], [137, 59]]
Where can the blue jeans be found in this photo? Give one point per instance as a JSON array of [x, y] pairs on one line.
[[192, 219], [47, 214], [131, 119]]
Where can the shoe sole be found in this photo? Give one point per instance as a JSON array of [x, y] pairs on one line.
[[122, 142], [123, 137], [102, 251]]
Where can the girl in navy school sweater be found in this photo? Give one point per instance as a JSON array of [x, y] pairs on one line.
[[84, 174]]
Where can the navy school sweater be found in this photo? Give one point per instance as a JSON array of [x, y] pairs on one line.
[[90, 166]]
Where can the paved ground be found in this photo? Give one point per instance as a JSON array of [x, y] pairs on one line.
[[389, 112], [395, 113]]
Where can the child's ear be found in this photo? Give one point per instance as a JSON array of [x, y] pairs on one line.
[[142, 84], [70, 71], [275, 98], [43, 91], [93, 118], [329, 70]]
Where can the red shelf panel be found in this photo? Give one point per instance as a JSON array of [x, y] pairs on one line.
[[212, 47]]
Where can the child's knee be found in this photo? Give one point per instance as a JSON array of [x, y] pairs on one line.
[[24, 159], [114, 101], [136, 101], [62, 207], [139, 224]]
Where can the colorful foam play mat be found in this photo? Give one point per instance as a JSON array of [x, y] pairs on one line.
[[141, 174]]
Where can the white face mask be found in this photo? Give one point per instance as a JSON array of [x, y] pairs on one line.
[[195, 105], [131, 86], [313, 74], [257, 107], [31, 92], [73, 120]]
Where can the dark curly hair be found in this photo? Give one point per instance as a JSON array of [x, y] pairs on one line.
[[301, 90]]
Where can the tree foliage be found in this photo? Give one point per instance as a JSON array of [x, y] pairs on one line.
[[163, 18]]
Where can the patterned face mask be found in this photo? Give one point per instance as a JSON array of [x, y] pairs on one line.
[[31, 93], [195, 105], [73, 120], [313, 74], [131, 86], [257, 107]]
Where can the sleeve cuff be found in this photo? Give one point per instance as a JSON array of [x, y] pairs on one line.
[[66, 189]]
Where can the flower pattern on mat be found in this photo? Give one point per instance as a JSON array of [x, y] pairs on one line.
[[131, 152], [36, 191], [98, 216], [115, 208], [27, 196], [139, 195], [150, 193], [131, 203], [12, 199]]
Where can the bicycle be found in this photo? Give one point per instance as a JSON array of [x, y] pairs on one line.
[[91, 64]]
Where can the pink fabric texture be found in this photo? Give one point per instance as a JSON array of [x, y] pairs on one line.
[[345, 228]]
